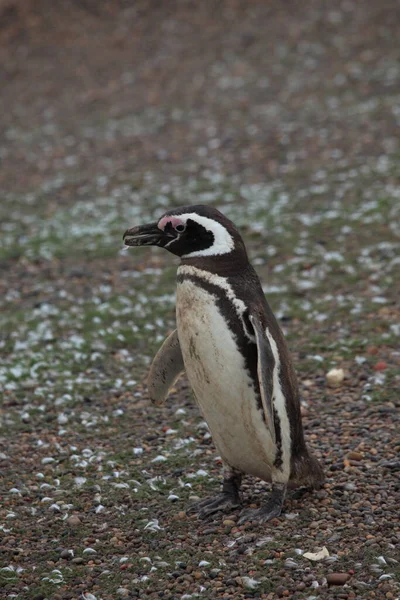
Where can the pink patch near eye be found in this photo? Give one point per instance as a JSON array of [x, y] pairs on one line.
[[162, 223]]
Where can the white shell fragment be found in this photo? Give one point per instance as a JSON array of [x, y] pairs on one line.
[[158, 459], [335, 377], [264, 541], [173, 498], [79, 481], [319, 554], [201, 473], [153, 526], [250, 583], [291, 564], [55, 577]]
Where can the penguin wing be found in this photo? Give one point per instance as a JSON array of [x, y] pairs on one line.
[[165, 369], [265, 369]]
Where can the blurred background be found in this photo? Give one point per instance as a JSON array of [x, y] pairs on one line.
[[285, 116], [101, 99]]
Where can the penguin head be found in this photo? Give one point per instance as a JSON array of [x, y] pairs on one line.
[[189, 232]]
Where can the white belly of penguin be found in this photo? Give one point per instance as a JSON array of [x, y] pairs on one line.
[[222, 386]]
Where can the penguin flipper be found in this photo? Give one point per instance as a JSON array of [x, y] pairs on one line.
[[265, 369], [165, 369]]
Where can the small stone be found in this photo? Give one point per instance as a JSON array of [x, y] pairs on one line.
[[372, 350], [355, 456], [350, 487], [337, 578], [74, 521], [78, 560], [229, 522], [210, 530], [301, 586], [380, 366], [67, 554], [335, 377], [319, 554]]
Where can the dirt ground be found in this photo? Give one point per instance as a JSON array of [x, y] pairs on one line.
[[286, 116]]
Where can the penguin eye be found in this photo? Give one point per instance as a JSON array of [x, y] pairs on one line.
[[180, 228]]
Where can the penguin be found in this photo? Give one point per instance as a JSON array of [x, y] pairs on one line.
[[232, 349]]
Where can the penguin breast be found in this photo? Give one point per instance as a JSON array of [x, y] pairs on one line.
[[221, 383]]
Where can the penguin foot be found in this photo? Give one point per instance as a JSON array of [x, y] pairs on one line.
[[271, 509], [260, 515], [301, 492], [209, 506]]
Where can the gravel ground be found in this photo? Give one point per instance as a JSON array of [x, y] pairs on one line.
[[286, 117]]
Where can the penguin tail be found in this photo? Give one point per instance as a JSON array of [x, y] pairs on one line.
[[307, 472]]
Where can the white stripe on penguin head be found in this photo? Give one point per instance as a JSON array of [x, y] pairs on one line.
[[223, 241]]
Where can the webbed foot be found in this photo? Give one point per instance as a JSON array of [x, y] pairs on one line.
[[209, 506], [271, 509], [300, 492], [228, 499]]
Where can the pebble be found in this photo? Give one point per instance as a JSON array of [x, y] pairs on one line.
[[78, 560], [372, 350], [355, 456], [335, 377], [380, 366], [350, 487], [74, 521], [210, 530], [229, 522], [301, 586], [337, 578]]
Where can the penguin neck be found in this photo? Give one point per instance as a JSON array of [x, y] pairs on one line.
[[226, 265]]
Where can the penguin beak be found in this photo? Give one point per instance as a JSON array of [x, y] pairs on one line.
[[144, 235]]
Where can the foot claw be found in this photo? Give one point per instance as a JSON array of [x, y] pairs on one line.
[[300, 492], [260, 515], [209, 506], [271, 509]]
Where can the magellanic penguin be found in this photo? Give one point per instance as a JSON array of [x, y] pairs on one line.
[[235, 357]]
